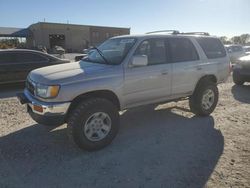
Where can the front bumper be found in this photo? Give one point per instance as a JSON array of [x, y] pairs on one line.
[[47, 113]]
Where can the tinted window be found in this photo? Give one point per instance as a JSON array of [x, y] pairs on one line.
[[19, 57], [182, 50], [28, 57], [212, 47], [155, 50]]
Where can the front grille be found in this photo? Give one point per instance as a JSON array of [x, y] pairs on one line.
[[30, 86]]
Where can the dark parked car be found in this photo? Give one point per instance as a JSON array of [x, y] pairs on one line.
[[16, 64], [241, 70]]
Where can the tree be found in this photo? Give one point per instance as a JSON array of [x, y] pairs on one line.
[[225, 40], [236, 40], [8, 43], [245, 38]]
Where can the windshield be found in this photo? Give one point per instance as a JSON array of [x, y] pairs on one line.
[[247, 49], [113, 50], [234, 49]]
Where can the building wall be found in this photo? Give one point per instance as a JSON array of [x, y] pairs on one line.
[[77, 37]]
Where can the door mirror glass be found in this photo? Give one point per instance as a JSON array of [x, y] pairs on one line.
[[140, 60]]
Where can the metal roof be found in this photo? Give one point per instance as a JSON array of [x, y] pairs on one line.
[[14, 32]]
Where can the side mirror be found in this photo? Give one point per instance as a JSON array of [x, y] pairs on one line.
[[139, 61]]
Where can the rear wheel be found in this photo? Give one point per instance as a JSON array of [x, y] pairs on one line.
[[93, 124], [204, 99]]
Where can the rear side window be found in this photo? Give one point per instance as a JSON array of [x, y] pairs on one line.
[[18, 57], [181, 50], [212, 47], [29, 57]]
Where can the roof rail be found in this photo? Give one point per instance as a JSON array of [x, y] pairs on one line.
[[165, 31], [196, 33]]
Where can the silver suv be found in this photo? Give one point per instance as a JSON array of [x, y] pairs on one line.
[[126, 72]]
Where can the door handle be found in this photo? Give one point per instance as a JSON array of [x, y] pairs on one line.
[[198, 68], [164, 73]]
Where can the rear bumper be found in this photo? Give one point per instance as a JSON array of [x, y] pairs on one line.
[[242, 74], [47, 113]]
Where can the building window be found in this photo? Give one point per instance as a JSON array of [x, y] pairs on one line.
[[95, 34], [107, 35]]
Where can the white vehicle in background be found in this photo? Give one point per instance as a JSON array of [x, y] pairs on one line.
[[235, 52], [247, 49]]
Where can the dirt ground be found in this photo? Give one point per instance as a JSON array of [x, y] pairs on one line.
[[163, 147]]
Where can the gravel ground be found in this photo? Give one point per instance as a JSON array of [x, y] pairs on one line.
[[163, 147]]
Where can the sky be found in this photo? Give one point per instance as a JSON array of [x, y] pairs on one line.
[[218, 17]]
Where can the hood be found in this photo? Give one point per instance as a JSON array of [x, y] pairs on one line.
[[65, 73]]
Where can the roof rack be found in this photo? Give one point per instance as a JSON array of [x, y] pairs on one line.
[[174, 32], [196, 33]]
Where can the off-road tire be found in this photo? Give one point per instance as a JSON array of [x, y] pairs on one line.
[[195, 101], [80, 115]]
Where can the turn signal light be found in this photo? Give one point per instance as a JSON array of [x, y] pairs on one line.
[[38, 108]]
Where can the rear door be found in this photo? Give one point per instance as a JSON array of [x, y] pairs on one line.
[[185, 62], [150, 83]]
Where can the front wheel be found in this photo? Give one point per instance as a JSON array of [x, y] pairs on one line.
[[204, 99], [94, 123]]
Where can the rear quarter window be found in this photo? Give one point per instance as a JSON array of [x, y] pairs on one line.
[[212, 47], [29, 57]]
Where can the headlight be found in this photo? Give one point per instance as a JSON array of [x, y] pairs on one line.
[[44, 91]]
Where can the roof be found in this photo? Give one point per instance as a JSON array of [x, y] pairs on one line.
[[14, 32], [79, 25], [25, 50], [163, 35]]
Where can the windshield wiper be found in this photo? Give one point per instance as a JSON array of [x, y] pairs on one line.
[[101, 54]]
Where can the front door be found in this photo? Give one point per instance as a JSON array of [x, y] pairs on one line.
[[151, 83]]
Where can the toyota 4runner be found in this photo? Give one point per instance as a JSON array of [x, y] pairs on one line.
[[122, 73]]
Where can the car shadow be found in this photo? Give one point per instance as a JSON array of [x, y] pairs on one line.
[[10, 90], [154, 148], [241, 93]]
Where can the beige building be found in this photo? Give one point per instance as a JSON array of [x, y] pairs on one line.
[[73, 38]]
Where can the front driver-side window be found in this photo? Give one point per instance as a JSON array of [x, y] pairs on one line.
[[154, 49]]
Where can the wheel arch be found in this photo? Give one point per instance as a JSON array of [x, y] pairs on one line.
[[206, 78], [106, 94]]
